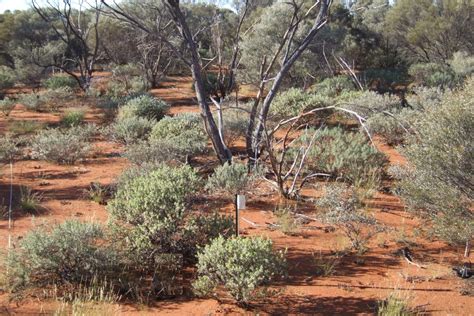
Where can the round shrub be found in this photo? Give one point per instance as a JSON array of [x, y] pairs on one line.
[[144, 106], [344, 154], [295, 101], [334, 86], [240, 265], [7, 105], [61, 146], [72, 118], [184, 131], [433, 75], [149, 210], [7, 77], [159, 195], [230, 178], [130, 129], [69, 253], [57, 82]]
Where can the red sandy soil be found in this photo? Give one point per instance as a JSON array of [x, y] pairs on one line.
[[354, 288]]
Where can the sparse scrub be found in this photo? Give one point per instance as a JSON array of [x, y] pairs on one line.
[[61, 146], [240, 265], [286, 222], [433, 75], [326, 265], [342, 208], [394, 305]]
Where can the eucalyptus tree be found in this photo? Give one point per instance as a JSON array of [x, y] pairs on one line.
[[76, 26]]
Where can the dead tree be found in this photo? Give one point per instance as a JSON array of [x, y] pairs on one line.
[[78, 28]]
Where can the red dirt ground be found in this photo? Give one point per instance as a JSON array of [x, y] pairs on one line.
[[354, 288]]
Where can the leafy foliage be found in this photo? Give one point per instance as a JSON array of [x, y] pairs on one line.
[[239, 264], [334, 86], [6, 77], [72, 118], [295, 101]]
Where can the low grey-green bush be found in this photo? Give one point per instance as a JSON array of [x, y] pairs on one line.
[[7, 77], [433, 75], [9, 148], [334, 86], [185, 131], [56, 82], [69, 253], [7, 105], [368, 103], [296, 101], [145, 106], [230, 179], [342, 154], [393, 128], [72, 118], [439, 179], [153, 206], [130, 129], [32, 101], [61, 146], [341, 207], [239, 264], [462, 64], [235, 124]]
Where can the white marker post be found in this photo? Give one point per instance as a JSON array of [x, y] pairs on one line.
[[239, 205]]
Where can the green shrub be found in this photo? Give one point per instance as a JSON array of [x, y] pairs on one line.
[[7, 77], [433, 75], [70, 253], [56, 82], [239, 264], [61, 146], [369, 103], [295, 101], [422, 98], [462, 64], [394, 129], [184, 131], [439, 180], [235, 124], [230, 179], [211, 83], [32, 101], [334, 86], [24, 127], [7, 105], [145, 106], [154, 204], [384, 77], [131, 129], [72, 118], [342, 154], [9, 148]]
